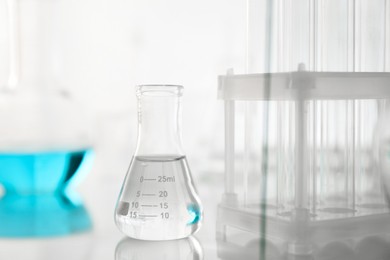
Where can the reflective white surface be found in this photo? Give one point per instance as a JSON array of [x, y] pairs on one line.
[[100, 190]]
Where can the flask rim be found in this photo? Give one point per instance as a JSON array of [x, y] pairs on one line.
[[159, 90]]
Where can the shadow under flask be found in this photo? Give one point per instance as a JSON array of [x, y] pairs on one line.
[[158, 199]]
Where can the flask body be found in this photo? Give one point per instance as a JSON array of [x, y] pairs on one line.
[[158, 199]]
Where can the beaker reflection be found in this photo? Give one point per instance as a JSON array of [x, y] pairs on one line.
[[131, 249], [42, 215]]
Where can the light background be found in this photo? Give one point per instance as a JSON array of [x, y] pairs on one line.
[[99, 50]]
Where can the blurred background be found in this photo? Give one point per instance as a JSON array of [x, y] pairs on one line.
[[99, 50], [96, 52]]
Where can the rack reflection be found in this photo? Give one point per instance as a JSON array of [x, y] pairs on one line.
[[241, 246]]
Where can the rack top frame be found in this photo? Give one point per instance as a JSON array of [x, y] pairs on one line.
[[305, 85]]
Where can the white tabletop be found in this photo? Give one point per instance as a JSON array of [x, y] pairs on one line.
[[99, 191]]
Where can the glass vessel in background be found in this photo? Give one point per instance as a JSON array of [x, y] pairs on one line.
[[45, 142], [158, 200]]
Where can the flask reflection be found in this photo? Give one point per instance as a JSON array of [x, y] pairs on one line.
[[131, 249]]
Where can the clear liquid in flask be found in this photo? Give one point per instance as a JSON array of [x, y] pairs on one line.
[[158, 200]]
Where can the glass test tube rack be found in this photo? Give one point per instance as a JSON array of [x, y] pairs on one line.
[[300, 156]]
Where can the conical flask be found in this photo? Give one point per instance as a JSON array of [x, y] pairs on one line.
[[158, 199]]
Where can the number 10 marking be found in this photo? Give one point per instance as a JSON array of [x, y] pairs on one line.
[[164, 215]]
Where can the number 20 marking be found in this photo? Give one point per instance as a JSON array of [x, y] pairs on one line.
[[163, 194]]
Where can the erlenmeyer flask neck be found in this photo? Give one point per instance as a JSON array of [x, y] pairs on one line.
[[159, 120]]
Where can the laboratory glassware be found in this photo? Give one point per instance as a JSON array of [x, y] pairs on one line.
[[305, 139], [45, 139], [158, 199]]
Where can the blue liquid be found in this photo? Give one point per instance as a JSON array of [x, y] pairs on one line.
[[42, 172], [37, 200], [195, 213]]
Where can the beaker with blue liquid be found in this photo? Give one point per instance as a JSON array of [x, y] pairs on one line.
[[45, 141], [42, 157]]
